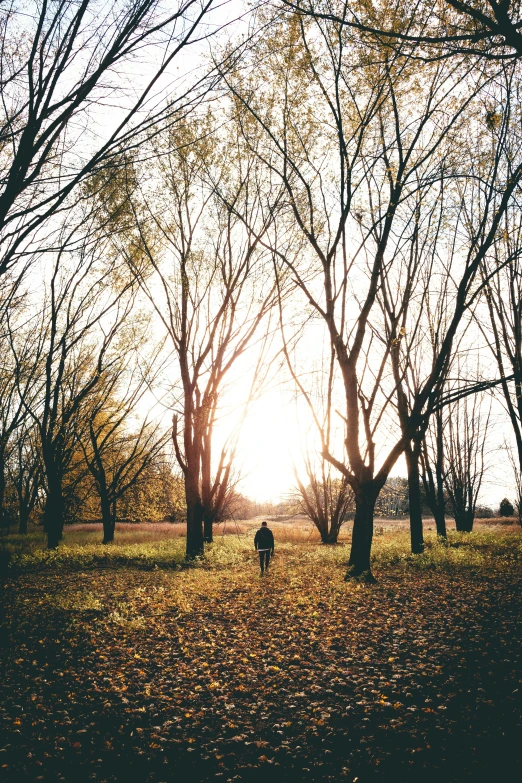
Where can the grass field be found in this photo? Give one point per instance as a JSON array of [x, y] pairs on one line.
[[120, 663]]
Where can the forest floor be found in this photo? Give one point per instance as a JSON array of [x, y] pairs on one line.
[[123, 667]]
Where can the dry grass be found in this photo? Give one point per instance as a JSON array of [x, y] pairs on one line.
[[129, 533], [163, 544], [504, 521], [288, 531]]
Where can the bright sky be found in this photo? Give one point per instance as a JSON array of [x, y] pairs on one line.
[[272, 442], [278, 431]]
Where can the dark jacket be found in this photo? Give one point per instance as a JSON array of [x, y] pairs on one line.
[[264, 539]]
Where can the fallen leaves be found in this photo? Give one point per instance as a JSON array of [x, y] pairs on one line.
[[226, 674]]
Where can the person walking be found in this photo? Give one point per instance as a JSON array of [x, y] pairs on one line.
[[264, 543]]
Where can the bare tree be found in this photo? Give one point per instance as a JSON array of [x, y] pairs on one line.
[[381, 136], [465, 438], [80, 318], [405, 294], [62, 64], [503, 299], [327, 501], [517, 475], [202, 270], [416, 296]]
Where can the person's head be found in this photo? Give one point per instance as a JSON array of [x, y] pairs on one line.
[[264, 523]]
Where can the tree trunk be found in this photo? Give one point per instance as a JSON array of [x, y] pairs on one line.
[[468, 521], [2, 490], [323, 530], [433, 481], [362, 534], [464, 520], [439, 512], [195, 512], [414, 497], [330, 537], [23, 519], [440, 519], [108, 530], [53, 515], [208, 527], [27, 494], [108, 519]]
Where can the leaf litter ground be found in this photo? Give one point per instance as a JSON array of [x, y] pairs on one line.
[[203, 674]]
